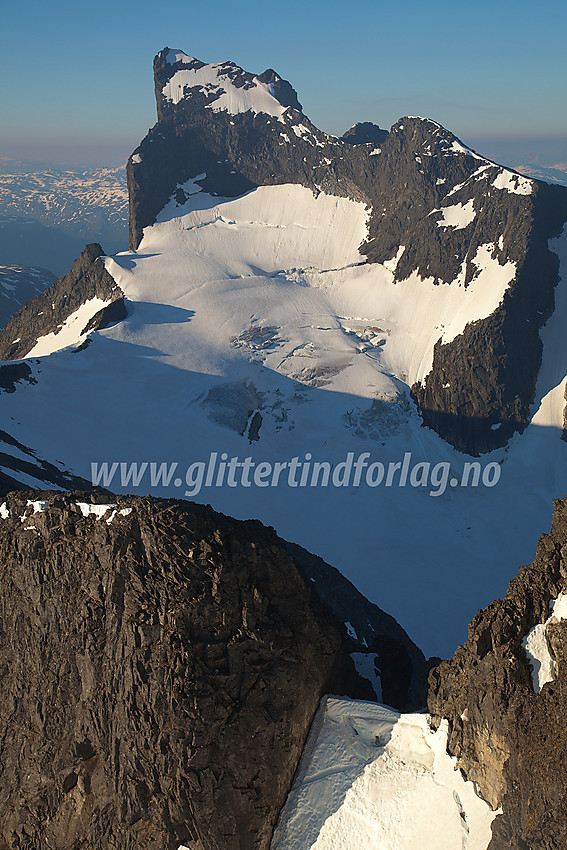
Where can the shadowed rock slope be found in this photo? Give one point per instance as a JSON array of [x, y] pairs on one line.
[[160, 665], [45, 313], [509, 738]]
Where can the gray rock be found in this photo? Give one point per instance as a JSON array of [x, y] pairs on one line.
[[160, 667], [492, 366], [45, 313], [509, 739]]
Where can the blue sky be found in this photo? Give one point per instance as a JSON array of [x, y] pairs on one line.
[[77, 78]]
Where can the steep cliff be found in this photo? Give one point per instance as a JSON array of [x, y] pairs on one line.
[[160, 665], [505, 694], [87, 294], [438, 211]]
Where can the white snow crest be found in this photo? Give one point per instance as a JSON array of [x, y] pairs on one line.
[[371, 777], [215, 80], [536, 645], [70, 332], [174, 56]]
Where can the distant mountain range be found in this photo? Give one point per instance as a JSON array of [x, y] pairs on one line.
[[47, 213], [19, 284], [551, 173]]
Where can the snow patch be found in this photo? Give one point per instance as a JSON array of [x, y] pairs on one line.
[[456, 147], [96, 510], [457, 216], [392, 264], [71, 331], [215, 80], [371, 777], [174, 56], [351, 631], [38, 507], [536, 645], [366, 664], [4, 512], [516, 184]]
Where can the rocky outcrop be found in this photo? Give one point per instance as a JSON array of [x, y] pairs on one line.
[[408, 177], [160, 665], [509, 738], [482, 384], [363, 133], [14, 373], [46, 312]]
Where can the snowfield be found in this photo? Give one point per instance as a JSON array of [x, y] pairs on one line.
[[256, 330], [370, 777], [537, 648], [71, 331], [215, 80]]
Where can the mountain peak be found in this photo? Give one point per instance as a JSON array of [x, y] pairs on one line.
[[220, 87], [365, 132]]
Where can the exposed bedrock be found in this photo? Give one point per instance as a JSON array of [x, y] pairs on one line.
[[510, 736], [160, 665]]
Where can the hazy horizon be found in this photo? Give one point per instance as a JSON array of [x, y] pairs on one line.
[[78, 88], [511, 151]]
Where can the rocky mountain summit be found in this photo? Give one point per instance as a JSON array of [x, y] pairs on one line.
[[436, 208], [505, 694], [291, 293], [87, 283], [160, 667]]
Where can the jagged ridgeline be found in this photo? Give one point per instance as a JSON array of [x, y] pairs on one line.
[[438, 210], [505, 695], [286, 293], [161, 664]]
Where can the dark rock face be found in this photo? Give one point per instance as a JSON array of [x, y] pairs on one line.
[[160, 667], [365, 133], [487, 375], [401, 663], [509, 739], [14, 373], [46, 312]]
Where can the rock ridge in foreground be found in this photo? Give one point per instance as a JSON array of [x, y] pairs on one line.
[[509, 730], [160, 667]]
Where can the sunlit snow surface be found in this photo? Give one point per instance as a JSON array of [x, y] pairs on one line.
[[372, 778], [71, 331], [264, 304], [215, 81], [458, 216], [537, 648]]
